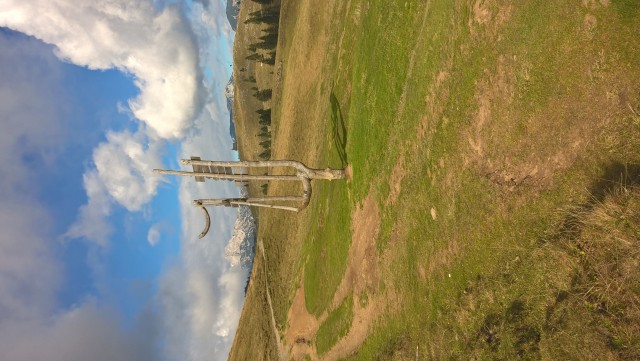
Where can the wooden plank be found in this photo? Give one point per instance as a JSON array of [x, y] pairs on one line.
[[196, 169]]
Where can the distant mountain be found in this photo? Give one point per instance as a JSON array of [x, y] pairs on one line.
[[240, 249], [228, 93], [233, 8]]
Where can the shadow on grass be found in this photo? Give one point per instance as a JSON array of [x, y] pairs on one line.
[[614, 176], [602, 235], [628, 9], [597, 241], [339, 129]]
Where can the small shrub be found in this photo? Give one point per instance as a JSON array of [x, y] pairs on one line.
[[263, 95], [266, 144], [254, 56], [266, 155]]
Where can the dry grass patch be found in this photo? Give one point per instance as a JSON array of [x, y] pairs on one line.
[[603, 302]]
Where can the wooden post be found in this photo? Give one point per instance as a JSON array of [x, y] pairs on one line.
[[328, 173], [238, 172], [228, 177]]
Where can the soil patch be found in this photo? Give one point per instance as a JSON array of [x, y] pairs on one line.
[[302, 328], [362, 278], [348, 173], [362, 270], [395, 182]]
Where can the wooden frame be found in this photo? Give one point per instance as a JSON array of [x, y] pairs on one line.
[[238, 172]]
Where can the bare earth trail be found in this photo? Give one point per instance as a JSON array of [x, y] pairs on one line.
[[365, 267], [361, 278], [450, 241], [276, 333]]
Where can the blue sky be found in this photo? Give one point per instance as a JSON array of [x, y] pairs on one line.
[[100, 258]]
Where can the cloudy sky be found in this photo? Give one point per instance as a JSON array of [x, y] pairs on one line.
[[99, 259]]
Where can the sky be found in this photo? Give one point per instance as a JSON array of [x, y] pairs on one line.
[[99, 257]]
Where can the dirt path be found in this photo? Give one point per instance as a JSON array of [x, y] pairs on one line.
[[361, 278], [276, 333], [302, 328]]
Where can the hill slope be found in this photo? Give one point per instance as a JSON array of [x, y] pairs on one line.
[[493, 209]]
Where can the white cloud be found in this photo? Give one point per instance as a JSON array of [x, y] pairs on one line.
[[153, 236], [92, 222], [201, 305], [155, 46], [202, 296], [231, 284], [125, 167], [87, 332], [29, 274], [32, 122], [32, 327], [123, 174], [164, 54]]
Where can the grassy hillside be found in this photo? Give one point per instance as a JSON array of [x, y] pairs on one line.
[[493, 210]]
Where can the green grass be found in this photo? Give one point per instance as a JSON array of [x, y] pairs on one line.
[[495, 275], [335, 326], [492, 227], [329, 236], [257, 343], [327, 245], [628, 9]]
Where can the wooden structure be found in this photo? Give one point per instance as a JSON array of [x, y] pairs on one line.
[[238, 172]]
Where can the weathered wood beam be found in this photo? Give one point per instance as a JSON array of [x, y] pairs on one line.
[[328, 173], [230, 177]]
